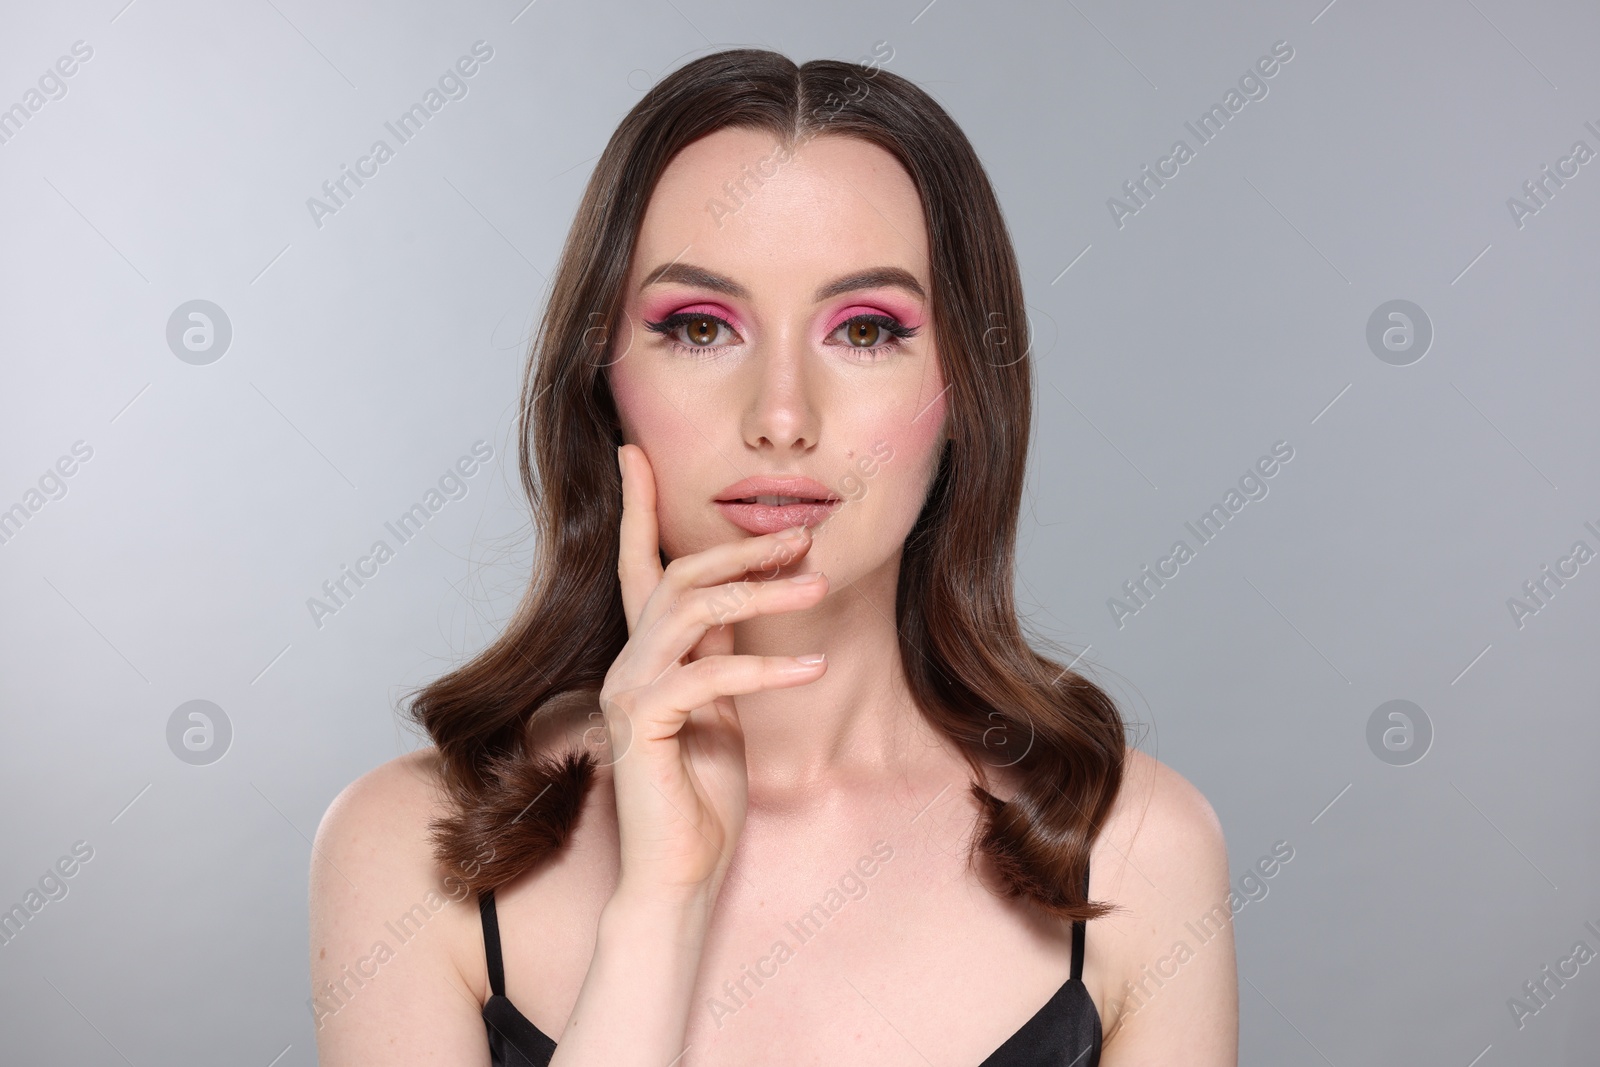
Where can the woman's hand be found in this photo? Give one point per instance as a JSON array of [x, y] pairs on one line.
[[677, 746]]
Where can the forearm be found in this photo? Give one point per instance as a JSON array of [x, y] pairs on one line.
[[633, 1008]]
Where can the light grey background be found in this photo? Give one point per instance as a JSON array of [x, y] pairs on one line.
[[370, 353]]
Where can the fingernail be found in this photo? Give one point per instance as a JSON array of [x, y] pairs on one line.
[[813, 658], [806, 578], [792, 533]]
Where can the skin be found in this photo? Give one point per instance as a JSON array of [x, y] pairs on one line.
[[791, 783]]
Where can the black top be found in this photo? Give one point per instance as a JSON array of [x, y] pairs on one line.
[[1063, 1033]]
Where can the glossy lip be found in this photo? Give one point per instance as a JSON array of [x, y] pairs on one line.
[[805, 488], [770, 518]]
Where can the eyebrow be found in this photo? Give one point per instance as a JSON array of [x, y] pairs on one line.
[[871, 278]]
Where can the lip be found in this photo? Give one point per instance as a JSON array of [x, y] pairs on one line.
[[805, 488], [770, 518]]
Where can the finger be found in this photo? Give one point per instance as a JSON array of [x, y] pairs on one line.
[[764, 557], [686, 622], [663, 711], [638, 548], [718, 640]]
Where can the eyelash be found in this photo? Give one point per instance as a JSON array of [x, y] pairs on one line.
[[898, 332]]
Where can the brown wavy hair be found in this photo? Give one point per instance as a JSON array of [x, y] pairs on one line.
[[511, 802]]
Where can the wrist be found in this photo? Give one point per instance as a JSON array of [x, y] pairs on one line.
[[679, 914]]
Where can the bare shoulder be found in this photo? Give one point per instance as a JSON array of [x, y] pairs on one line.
[[374, 836], [385, 800], [1166, 972], [390, 931], [1161, 820]]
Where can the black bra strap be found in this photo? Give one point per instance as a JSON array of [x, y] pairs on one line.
[[491, 944], [1078, 934]]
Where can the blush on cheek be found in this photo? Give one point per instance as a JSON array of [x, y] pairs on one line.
[[899, 459], [669, 442], [625, 394], [923, 437]]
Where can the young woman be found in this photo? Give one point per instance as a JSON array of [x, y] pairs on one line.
[[764, 771]]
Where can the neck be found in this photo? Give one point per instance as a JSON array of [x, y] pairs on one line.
[[854, 724]]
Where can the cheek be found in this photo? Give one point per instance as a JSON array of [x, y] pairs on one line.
[[649, 419], [668, 439], [924, 436], [921, 439], [900, 455]]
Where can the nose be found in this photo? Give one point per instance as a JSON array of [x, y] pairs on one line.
[[781, 410]]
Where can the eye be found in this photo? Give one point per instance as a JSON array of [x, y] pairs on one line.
[[702, 329], [875, 334]]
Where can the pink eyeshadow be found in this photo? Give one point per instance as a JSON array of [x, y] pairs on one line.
[[658, 309], [906, 313]]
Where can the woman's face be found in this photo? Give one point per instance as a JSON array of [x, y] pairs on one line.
[[770, 369]]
